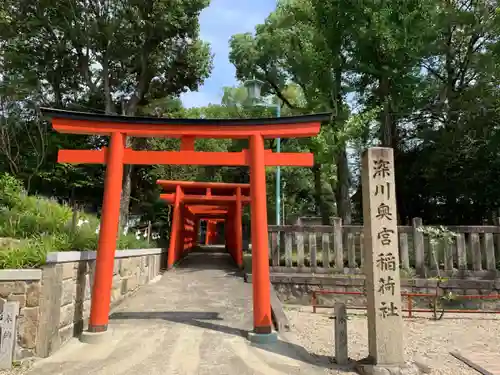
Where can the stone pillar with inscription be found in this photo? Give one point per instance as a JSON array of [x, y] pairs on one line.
[[8, 334], [341, 343], [385, 323]]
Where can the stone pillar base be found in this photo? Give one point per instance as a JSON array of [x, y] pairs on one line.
[[95, 338], [409, 368]]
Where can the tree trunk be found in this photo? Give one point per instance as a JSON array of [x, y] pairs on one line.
[[126, 191], [387, 136], [321, 207], [342, 195], [126, 183], [108, 101], [128, 109], [341, 189]]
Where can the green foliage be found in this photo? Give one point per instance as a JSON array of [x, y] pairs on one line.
[[326, 145], [438, 234], [426, 75], [112, 57], [439, 238], [32, 226], [419, 76], [12, 190]]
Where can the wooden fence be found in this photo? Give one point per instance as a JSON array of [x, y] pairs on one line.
[[474, 250]]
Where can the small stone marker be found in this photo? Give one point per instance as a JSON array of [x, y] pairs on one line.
[[8, 333], [341, 355], [385, 323]]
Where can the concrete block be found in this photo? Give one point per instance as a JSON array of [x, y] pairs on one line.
[[68, 292], [65, 334], [132, 283], [20, 298], [33, 293], [24, 275], [12, 287], [29, 322], [76, 256], [125, 267], [50, 309], [67, 315], [69, 271]]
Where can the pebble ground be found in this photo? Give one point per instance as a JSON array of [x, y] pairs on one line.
[[426, 340]]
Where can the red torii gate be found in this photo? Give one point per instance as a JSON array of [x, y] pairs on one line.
[[212, 201], [118, 128]]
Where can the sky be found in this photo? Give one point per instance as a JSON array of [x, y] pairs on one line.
[[218, 22]]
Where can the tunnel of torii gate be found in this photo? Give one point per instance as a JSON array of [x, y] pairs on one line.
[[117, 154], [210, 201]]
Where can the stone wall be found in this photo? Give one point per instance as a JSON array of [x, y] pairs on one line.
[[298, 288], [23, 286], [55, 300]]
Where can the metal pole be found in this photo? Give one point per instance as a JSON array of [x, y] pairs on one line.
[[278, 174], [284, 212]]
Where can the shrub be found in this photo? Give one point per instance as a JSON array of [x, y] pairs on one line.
[[11, 190], [34, 226]]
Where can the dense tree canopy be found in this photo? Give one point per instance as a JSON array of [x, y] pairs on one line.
[[421, 76], [426, 71]]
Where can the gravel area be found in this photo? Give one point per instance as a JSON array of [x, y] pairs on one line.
[[426, 340], [19, 368]]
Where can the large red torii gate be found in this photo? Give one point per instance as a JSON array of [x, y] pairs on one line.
[[118, 128], [212, 201]]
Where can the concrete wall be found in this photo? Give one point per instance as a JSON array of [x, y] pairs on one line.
[[55, 300]]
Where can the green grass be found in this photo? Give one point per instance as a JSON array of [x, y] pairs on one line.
[[32, 226]]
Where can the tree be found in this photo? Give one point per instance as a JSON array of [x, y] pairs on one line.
[[388, 45], [115, 55], [292, 45]]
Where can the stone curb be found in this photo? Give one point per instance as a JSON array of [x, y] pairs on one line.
[[280, 320], [76, 256], [278, 314], [471, 363]]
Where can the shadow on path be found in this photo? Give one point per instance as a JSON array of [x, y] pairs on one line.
[[193, 318], [209, 260], [198, 319]]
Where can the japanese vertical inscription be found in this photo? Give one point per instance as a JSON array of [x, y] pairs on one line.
[[382, 256], [8, 319]]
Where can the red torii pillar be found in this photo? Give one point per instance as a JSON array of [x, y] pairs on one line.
[[212, 214], [260, 257], [108, 229], [220, 207], [119, 127], [238, 223], [211, 231]]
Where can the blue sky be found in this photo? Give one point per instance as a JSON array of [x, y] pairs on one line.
[[221, 20]]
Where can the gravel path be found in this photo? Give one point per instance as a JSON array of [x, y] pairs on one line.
[[425, 340], [18, 369]]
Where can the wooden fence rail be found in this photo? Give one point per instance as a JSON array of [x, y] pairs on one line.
[[474, 250]]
